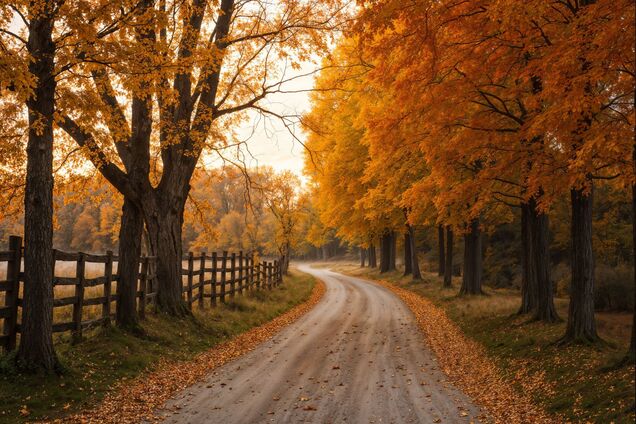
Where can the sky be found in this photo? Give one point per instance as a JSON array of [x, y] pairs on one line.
[[268, 141]]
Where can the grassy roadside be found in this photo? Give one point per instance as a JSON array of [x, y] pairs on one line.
[[575, 384], [108, 356]]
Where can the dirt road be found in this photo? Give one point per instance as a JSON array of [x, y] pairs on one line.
[[357, 357]]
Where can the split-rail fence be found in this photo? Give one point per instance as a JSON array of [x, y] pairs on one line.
[[214, 277]]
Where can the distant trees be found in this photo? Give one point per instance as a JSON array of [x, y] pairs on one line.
[[87, 214]]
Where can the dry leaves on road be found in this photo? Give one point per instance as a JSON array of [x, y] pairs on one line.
[[138, 400], [467, 364]]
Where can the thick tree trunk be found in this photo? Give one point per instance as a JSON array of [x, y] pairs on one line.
[[363, 257], [471, 281], [373, 262], [131, 230], [529, 291], [540, 263], [408, 267], [36, 342], [581, 321], [130, 234], [385, 252], [164, 228], [392, 251], [442, 259], [415, 265], [448, 266]]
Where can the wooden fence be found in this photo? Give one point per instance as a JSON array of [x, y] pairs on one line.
[[212, 276]]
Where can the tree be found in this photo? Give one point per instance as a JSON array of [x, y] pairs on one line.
[[336, 157], [286, 205], [38, 48], [448, 267], [36, 342], [223, 66]]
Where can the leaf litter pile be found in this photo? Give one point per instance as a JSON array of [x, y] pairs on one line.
[[467, 364], [137, 400]]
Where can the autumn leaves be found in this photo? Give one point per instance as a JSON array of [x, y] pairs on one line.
[[460, 114]]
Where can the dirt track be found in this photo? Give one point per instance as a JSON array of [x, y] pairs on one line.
[[357, 357]]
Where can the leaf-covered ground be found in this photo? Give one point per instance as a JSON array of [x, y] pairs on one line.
[[116, 377], [577, 383]]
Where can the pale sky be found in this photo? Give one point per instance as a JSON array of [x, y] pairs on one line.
[[268, 141]]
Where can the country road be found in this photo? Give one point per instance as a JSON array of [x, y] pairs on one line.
[[357, 357]]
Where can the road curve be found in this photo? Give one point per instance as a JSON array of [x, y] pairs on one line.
[[357, 357]]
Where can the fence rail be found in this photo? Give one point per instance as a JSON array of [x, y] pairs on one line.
[[207, 276]]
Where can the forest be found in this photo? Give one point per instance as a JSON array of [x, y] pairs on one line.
[[474, 159], [225, 211]]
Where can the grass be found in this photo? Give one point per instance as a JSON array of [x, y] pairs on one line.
[[576, 383], [107, 356]]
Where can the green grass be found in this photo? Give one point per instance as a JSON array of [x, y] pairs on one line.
[[107, 356], [576, 383]]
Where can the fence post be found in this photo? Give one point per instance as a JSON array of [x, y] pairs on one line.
[[79, 295], [190, 276], [272, 283], [213, 293], [108, 273], [201, 279], [257, 271], [240, 272], [268, 270], [143, 287], [261, 275], [233, 276], [223, 272], [13, 290], [250, 270]]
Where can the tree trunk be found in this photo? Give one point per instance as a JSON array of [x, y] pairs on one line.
[[130, 234], [164, 228], [373, 263], [448, 266], [581, 321], [36, 342], [442, 259], [408, 267], [285, 258], [540, 264], [363, 257], [415, 265], [385, 252], [392, 250], [471, 281], [529, 291]]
